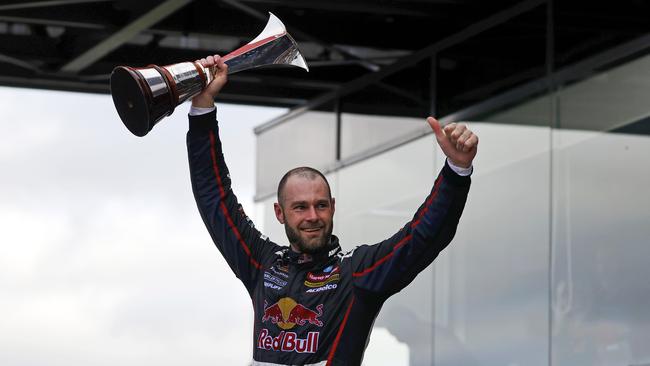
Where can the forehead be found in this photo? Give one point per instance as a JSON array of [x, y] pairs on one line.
[[301, 188]]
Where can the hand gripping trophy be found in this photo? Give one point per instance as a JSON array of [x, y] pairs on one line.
[[144, 96]]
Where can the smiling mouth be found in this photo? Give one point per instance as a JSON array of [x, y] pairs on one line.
[[312, 230]]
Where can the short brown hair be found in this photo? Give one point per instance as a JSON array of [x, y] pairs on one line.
[[305, 172]]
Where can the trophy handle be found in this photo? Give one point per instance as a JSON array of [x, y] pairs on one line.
[[144, 96]]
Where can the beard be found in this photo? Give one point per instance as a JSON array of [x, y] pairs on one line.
[[309, 245]]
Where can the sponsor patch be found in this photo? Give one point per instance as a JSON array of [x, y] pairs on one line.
[[288, 342], [329, 286], [272, 286], [280, 271], [334, 251], [329, 279], [322, 279], [347, 254], [271, 278]]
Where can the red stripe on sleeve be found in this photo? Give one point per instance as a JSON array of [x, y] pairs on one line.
[[384, 258], [428, 203], [215, 167], [402, 242], [224, 209]]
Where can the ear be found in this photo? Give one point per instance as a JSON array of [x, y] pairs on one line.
[[278, 212], [332, 200]]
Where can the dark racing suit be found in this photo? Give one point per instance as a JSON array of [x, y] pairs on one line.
[[315, 309]]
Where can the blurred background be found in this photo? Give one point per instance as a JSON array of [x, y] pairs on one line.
[[106, 261]]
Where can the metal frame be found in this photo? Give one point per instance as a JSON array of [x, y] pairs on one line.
[[407, 61], [377, 8], [56, 23], [123, 35], [42, 4]]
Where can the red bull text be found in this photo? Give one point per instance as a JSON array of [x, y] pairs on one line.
[[288, 342]]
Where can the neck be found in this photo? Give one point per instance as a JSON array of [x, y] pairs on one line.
[[294, 248]]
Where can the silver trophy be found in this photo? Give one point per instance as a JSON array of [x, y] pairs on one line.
[[144, 96]]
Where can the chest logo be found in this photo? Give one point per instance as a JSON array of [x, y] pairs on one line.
[[287, 313], [282, 271], [329, 275], [271, 278]]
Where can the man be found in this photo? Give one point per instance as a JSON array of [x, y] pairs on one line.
[[313, 304]]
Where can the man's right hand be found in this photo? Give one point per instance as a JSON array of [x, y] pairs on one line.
[[220, 76]]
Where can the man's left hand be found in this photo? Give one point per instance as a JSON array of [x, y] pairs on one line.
[[457, 141]]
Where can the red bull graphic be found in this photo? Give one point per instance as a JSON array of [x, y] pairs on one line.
[[288, 342], [287, 313]]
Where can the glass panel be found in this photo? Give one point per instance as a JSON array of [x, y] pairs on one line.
[[491, 299], [608, 100], [600, 288], [601, 291], [308, 140], [362, 132]]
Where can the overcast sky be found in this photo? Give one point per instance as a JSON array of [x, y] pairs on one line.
[[105, 260]]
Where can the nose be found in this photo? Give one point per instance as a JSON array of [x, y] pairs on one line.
[[311, 213]]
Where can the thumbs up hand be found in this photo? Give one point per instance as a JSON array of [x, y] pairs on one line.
[[457, 142]]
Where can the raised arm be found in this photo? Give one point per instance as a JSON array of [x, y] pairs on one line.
[[245, 249], [387, 267]]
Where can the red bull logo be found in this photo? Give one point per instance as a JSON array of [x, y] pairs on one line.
[[288, 342], [287, 313]]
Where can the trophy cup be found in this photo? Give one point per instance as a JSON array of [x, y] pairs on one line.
[[144, 96]]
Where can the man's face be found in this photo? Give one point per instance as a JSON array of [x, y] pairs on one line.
[[307, 213]]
